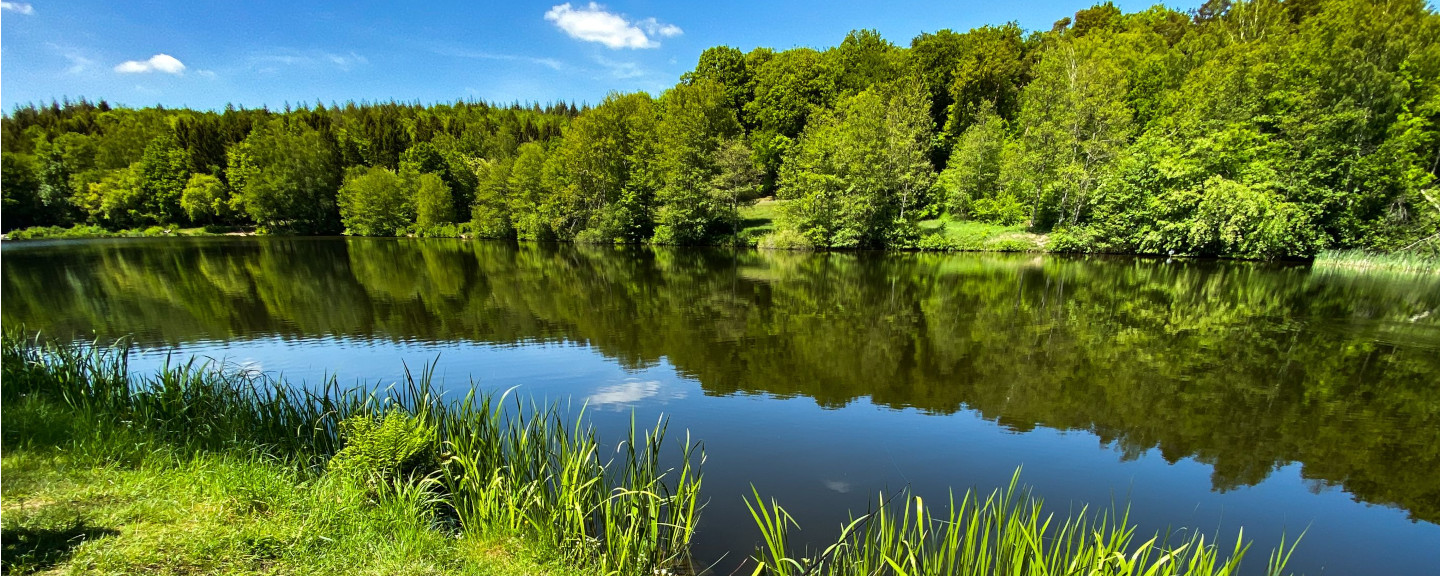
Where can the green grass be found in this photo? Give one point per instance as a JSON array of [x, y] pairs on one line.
[[758, 220], [1005, 532], [1410, 262], [88, 231], [485, 468], [969, 235], [172, 513]]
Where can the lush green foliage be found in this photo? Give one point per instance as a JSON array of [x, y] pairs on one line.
[[859, 175], [1257, 129], [375, 202], [379, 449]]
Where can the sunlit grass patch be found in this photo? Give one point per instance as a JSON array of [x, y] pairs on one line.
[[758, 220], [970, 235]]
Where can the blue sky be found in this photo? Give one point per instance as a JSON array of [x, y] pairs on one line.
[[207, 54]]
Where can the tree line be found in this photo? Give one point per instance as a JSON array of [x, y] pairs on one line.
[[1260, 128]]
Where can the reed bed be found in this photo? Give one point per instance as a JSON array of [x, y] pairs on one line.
[[1003, 533], [488, 463], [1412, 262]]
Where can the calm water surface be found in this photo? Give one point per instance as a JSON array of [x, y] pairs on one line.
[[1208, 395]]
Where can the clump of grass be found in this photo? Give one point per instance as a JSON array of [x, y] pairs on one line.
[[1414, 262], [501, 470], [1005, 532]]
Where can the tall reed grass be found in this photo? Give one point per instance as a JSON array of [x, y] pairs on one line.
[[1412, 262], [1003, 533], [498, 466]]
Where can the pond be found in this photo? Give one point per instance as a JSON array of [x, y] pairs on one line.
[[1206, 395]]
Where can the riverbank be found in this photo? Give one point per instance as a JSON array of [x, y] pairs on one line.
[[937, 235], [198, 469], [167, 512], [80, 231], [195, 470]]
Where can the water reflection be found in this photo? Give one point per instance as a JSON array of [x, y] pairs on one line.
[[1244, 367]]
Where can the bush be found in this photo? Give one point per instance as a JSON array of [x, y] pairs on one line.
[[785, 239], [385, 448], [1071, 240], [935, 243], [464, 230]]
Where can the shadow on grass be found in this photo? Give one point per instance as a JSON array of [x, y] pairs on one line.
[[25, 550]]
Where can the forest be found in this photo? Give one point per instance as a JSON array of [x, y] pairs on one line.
[[1253, 129]]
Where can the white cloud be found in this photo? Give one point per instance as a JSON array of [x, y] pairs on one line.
[[592, 23], [264, 61], [79, 63], [654, 26], [550, 63], [630, 392], [20, 7], [157, 63], [346, 61], [621, 70]]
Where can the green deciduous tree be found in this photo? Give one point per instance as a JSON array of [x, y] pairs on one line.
[[490, 212], [990, 67], [696, 122], [286, 177], [1073, 122], [529, 196], [725, 66], [602, 176], [375, 202], [970, 186], [858, 175], [206, 199], [161, 175], [434, 205], [866, 59], [21, 191]]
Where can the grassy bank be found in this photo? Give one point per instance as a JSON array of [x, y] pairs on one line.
[[88, 231], [394, 478], [760, 219], [194, 470], [172, 512]]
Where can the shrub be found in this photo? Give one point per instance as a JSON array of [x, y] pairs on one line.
[[934, 243], [785, 239], [383, 448], [1071, 240]]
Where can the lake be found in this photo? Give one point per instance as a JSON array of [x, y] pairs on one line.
[[1208, 395]]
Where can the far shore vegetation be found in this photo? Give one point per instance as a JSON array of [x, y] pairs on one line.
[[198, 470], [1258, 129]]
